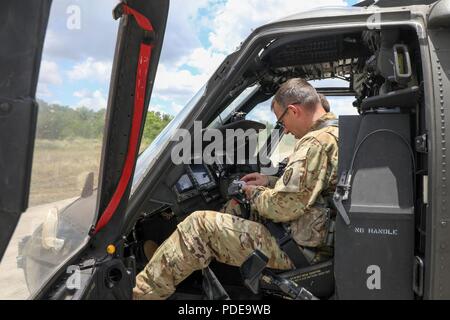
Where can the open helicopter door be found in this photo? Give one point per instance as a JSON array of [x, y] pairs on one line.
[[22, 33], [138, 48]]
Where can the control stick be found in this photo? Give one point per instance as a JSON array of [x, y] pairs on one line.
[[235, 191]]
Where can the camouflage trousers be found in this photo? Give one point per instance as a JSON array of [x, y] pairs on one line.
[[200, 238]]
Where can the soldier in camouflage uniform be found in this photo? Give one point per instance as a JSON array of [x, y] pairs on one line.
[[298, 199], [325, 103]]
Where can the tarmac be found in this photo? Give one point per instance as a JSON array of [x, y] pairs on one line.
[[12, 279]]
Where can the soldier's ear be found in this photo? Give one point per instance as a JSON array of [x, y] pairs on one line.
[[295, 110]]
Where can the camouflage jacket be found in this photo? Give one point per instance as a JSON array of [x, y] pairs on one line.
[[299, 197]]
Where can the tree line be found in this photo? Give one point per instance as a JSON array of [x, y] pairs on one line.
[[56, 122]]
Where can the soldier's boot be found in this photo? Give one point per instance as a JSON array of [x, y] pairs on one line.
[[202, 236], [150, 248]]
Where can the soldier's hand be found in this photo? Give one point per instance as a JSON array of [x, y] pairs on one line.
[[256, 179], [248, 189]]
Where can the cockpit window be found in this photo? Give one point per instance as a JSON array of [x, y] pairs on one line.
[[262, 113], [149, 156], [232, 107]]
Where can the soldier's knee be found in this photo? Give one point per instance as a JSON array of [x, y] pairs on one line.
[[191, 220], [199, 223], [203, 216], [197, 215], [196, 229]]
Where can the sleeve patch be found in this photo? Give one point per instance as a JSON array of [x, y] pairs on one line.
[[287, 176]]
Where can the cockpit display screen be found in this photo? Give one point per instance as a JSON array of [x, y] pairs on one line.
[[184, 184], [200, 174]]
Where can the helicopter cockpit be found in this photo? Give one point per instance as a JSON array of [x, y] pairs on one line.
[[382, 70]]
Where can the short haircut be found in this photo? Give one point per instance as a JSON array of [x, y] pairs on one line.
[[296, 91], [325, 103]]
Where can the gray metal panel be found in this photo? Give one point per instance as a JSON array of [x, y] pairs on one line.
[[381, 232], [440, 14], [347, 140], [389, 180], [437, 255]]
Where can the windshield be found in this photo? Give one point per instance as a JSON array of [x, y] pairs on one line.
[[152, 153], [234, 105]]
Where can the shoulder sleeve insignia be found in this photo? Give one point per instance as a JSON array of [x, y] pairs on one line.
[[287, 176]]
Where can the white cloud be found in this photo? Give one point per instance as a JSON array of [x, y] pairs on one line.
[[172, 109], [98, 32], [206, 61], [96, 36], [91, 69], [176, 108], [181, 35], [43, 91], [177, 86], [155, 108], [231, 22], [49, 73], [334, 82], [262, 114], [94, 100], [236, 19], [90, 49]]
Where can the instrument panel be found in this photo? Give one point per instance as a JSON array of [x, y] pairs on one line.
[[197, 181]]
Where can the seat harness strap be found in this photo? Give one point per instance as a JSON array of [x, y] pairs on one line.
[[287, 244], [298, 255]]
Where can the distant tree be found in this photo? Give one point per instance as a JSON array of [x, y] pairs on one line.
[[56, 122], [154, 124]]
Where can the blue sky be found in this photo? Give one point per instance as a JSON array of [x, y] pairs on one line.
[[81, 37]]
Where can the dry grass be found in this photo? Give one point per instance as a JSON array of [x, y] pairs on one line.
[[60, 167]]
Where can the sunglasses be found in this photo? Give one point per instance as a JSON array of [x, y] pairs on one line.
[[279, 123]]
